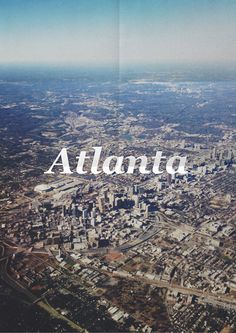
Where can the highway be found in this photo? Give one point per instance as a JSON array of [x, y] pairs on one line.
[[33, 299], [225, 301], [205, 297]]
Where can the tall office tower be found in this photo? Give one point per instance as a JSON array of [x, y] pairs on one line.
[[117, 202], [136, 200], [220, 157], [159, 185], [135, 189], [74, 210], [84, 213], [169, 179], [64, 210], [146, 214], [213, 153], [111, 198], [101, 204], [173, 178], [105, 194], [92, 222]]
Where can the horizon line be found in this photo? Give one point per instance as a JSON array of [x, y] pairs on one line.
[[116, 64]]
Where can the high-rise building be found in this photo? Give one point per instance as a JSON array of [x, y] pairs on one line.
[[84, 213], [136, 200], [169, 179], [101, 204]]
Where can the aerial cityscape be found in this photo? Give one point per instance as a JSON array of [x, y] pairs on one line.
[[128, 251]]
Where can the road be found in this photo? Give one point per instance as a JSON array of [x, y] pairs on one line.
[[33, 299], [146, 235], [205, 297], [225, 301]]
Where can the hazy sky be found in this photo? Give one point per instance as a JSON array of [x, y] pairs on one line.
[[101, 31]]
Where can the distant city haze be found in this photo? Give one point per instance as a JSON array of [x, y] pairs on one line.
[[117, 31]]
